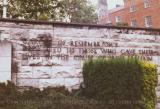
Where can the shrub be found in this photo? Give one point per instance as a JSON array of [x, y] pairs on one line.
[[49, 98], [122, 83]]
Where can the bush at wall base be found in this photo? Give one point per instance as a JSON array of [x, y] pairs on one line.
[[11, 97], [122, 83]]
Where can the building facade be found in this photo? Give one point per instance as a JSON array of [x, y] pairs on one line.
[[135, 13], [102, 9]]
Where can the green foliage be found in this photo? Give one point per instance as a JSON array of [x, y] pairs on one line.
[[77, 11], [37, 9], [49, 98], [80, 11], [122, 83]]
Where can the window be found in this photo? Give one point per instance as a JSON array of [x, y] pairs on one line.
[[133, 8], [146, 3], [134, 23], [148, 21], [118, 19]]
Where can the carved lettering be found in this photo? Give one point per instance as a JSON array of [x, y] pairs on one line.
[[128, 51], [108, 51], [80, 50]]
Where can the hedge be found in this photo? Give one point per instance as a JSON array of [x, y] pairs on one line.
[[122, 83], [50, 98]]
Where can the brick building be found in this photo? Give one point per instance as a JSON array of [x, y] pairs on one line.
[[135, 13]]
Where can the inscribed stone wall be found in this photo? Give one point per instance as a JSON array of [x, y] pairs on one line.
[[53, 54]]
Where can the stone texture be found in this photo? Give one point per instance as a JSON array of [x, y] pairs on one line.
[[53, 54]]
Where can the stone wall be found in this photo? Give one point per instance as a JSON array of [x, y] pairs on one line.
[[52, 54], [5, 61]]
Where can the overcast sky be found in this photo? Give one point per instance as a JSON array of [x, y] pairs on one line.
[[111, 3]]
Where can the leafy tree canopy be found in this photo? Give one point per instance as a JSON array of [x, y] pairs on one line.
[[77, 11]]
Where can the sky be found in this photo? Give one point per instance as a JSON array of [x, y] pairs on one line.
[[111, 3]]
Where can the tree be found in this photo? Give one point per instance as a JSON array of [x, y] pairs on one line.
[[34, 9], [80, 11], [77, 11]]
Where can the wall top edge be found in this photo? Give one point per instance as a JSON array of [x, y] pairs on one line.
[[41, 22]]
